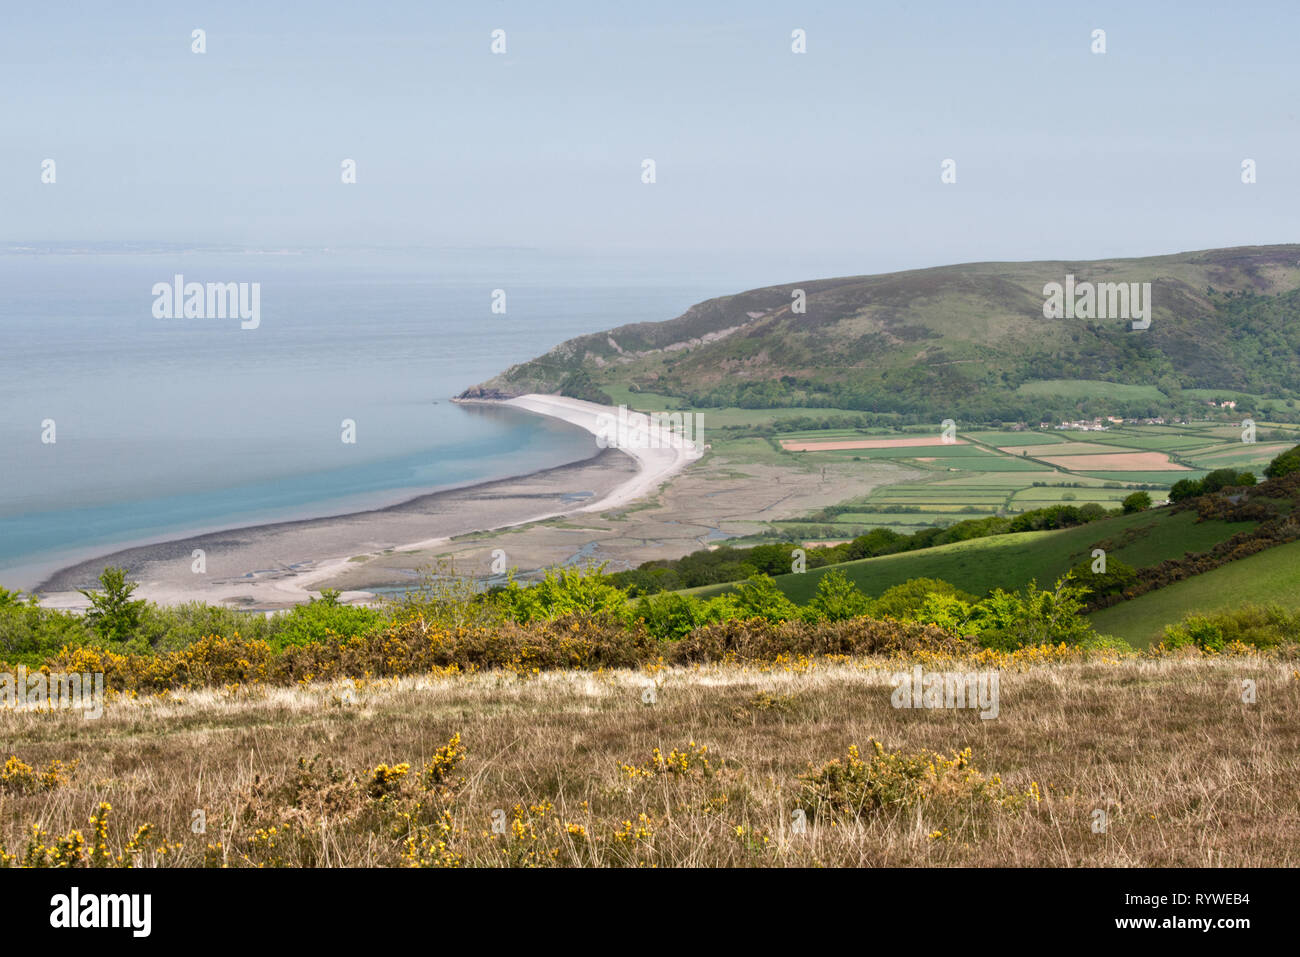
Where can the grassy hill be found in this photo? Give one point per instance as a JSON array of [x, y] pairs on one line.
[[966, 341], [1011, 561], [1215, 552], [1269, 578]]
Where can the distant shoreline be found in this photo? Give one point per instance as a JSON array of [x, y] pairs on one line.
[[279, 564]]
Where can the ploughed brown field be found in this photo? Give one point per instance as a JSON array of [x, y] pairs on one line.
[[561, 768], [1116, 462], [1058, 448]]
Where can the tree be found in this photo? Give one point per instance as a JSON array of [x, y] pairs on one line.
[[1184, 488], [1224, 478], [1137, 502], [838, 598], [759, 597], [1034, 616], [1284, 464], [113, 614], [905, 601], [1112, 581]]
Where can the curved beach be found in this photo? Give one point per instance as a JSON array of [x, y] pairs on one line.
[[276, 565]]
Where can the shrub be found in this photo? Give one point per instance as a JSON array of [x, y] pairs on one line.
[[1194, 630], [178, 626], [19, 777], [669, 615], [760, 640], [1034, 616], [1261, 626], [563, 591], [888, 779], [1117, 577], [30, 634], [1213, 482], [322, 618]]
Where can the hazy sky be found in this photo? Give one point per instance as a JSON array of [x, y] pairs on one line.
[[831, 157]]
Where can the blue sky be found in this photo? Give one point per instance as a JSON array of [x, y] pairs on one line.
[[831, 157]]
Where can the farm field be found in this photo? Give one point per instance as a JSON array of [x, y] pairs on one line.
[[1090, 389], [1011, 471]]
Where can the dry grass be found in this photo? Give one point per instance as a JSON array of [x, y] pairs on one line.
[[1188, 774]]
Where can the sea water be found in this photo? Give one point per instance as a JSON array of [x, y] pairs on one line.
[[118, 427]]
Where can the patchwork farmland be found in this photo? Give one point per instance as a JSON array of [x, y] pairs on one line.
[[987, 472]]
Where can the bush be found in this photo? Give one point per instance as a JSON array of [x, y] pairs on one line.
[[1213, 482], [1194, 630], [178, 626], [889, 779], [563, 591], [760, 640], [30, 634], [323, 618], [1260, 626], [669, 615]]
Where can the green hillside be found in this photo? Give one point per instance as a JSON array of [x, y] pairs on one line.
[[1010, 561], [965, 341], [1269, 578]]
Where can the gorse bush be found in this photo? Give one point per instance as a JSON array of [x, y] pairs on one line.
[[883, 780], [404, 648], [572, 619], [757, 639]]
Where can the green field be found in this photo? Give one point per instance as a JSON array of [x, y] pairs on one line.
[[1091, 389], [1270, 577]]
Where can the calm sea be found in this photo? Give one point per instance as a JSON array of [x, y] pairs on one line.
[[164, 427]]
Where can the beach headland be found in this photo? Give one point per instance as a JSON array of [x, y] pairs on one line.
[[272, 566]]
